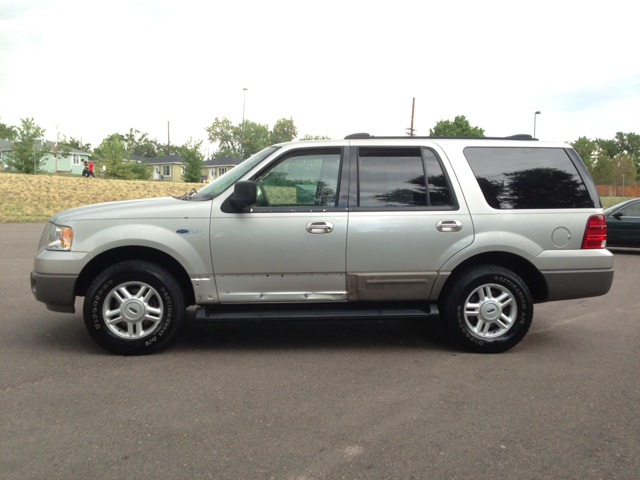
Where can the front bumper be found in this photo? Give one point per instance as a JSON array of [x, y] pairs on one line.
[[56, 291]]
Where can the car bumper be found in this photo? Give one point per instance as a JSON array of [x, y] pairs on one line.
[[565, 285], [56, 291]]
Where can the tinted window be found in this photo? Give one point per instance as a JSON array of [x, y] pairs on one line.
[[302, 179], [632, 210], [527, 178], [391, 177], [438, 185]]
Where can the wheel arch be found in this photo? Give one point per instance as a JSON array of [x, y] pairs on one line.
[[120, 254], [530, 275]]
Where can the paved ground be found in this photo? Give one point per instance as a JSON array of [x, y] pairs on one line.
[[326, 401]]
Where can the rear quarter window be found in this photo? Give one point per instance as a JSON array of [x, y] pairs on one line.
[[528, 178]]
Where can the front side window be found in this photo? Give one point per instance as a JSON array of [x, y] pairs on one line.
[[76, 159], [222, 171], [632, 210], [166, 170], [527, 178], [302, 179]]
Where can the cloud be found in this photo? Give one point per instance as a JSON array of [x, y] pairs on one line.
[[14, 9], [595, 97]]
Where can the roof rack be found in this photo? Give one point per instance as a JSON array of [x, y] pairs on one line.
[[520, 136]]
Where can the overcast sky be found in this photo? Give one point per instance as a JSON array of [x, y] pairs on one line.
[[97, 67]]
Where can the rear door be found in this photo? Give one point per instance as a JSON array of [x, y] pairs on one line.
[[405, 222]]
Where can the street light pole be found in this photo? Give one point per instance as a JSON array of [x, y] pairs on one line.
[[244, 96], [534, 123]]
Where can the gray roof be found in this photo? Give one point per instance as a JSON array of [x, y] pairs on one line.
[[166, 159], [222, 161]]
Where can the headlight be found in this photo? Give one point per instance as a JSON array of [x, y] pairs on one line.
[[59, 238]]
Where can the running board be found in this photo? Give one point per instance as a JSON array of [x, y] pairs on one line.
[[321, 311]]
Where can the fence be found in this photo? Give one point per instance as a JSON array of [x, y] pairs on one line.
[[616, 191]]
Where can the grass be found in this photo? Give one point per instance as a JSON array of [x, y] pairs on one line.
[[611, 201], [34, 198]]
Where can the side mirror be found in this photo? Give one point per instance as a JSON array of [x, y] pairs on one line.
[[618, 215], [244, 194]]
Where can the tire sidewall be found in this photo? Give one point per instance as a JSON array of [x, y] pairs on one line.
[[169, 293], [455, 309]]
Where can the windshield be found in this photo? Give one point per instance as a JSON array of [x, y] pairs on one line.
[[223, 182]]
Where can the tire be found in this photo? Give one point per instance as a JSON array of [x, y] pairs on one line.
[[154, 303], [487, 309]]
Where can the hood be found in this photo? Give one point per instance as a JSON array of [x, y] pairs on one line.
[[144, 208]]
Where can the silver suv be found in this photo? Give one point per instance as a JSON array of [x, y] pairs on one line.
[[477, 229]]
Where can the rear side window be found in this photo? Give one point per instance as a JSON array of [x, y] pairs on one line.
[[402, 177], [528, 178]]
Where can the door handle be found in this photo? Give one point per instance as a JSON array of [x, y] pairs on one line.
[[319, 227], [449, 225]]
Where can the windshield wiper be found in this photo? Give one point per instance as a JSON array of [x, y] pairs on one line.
[[186, 196]]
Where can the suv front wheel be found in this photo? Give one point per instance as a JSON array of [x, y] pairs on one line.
[[134, 308], [487, 309]]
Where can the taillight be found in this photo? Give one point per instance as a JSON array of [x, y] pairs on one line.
[[595, 235]]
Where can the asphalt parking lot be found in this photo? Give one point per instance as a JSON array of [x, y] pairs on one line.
[[319, 400]]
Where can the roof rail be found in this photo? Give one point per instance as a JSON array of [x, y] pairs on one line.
[[520, 136], [357, 135]]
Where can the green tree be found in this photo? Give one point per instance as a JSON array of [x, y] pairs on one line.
[[610, 147], [315, 137], [229, 137], [460, 127], [75, 143], [629, 143], [608, 159], [623, 165], [62, 149], [7, 132], [603, 171], [587, 149], [256, 136], [113, 151], [141, 170], [28, 150], [194, 160], [222, 132], [139, 143], [283, 131]]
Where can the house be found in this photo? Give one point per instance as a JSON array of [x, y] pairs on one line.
[[168, 168], [73, 163], [216, 167]]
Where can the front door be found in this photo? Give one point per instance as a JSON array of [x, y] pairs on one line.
[[291, 246], [623, 229]]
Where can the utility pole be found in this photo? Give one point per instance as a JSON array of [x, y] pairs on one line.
[[291, 132], [168, 140], [411, 131], [244, 97]]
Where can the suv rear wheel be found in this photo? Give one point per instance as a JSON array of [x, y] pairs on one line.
[[134, 308], [487, 309]]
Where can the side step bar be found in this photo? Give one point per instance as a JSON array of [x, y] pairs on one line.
[[316, 311]]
